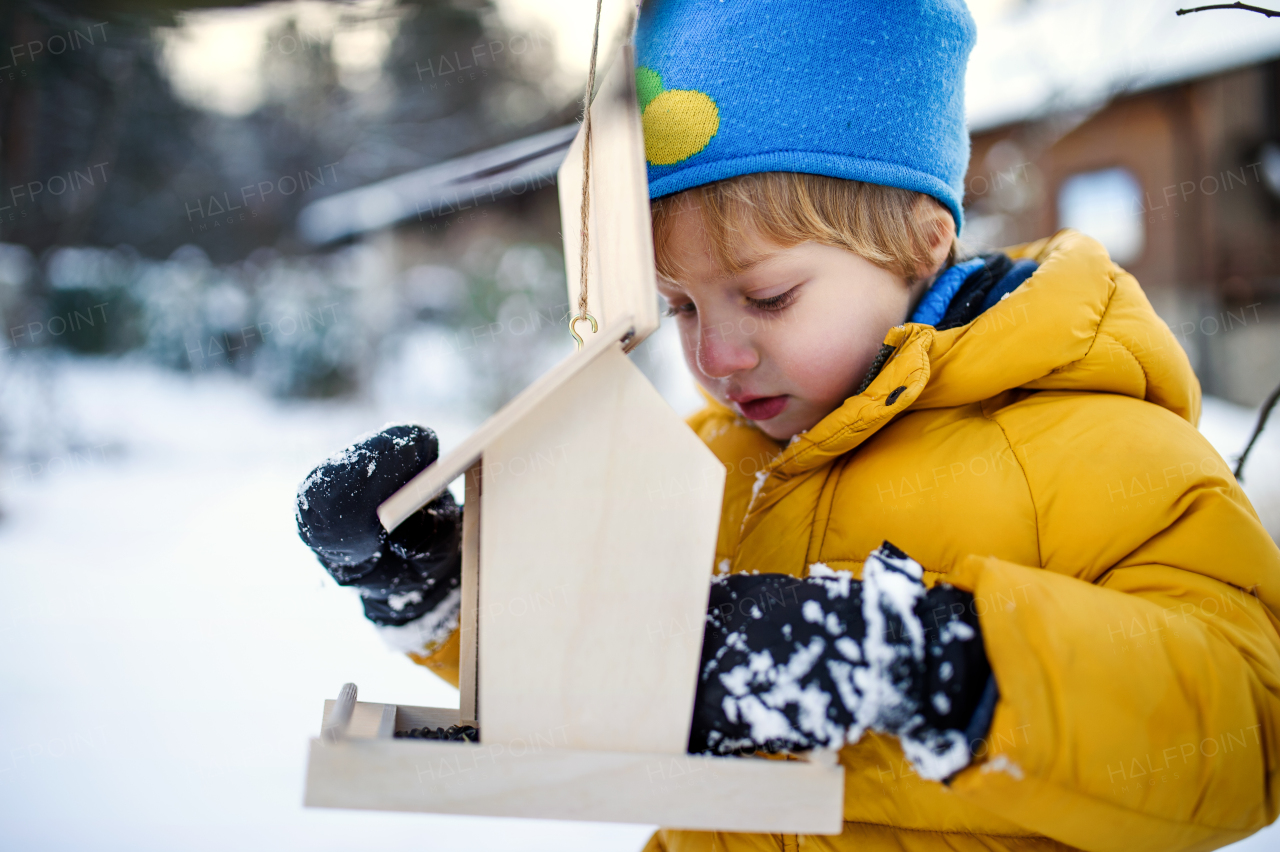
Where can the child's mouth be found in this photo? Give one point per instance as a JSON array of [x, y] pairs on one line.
[[763, 408]]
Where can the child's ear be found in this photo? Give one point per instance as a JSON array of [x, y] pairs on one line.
[[939, 229]]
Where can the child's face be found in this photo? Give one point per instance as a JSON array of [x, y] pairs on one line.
[[788, 340]]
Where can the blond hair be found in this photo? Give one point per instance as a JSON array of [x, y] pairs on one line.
[[880, 223]]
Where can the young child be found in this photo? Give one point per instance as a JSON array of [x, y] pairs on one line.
[[1081, 650]]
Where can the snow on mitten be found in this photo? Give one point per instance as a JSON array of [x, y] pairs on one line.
[[408, 579], [797, 664]]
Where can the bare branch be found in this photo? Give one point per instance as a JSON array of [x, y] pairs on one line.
[[1270, 13]]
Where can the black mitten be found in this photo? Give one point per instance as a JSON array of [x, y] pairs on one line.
[[403, 576], [793, 665]]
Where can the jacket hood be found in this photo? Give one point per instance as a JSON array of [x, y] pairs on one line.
[[1079, 323]]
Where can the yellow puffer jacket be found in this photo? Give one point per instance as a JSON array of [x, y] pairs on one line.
[[1043, 457]]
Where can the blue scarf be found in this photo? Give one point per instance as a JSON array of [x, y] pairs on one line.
[[965, 290]]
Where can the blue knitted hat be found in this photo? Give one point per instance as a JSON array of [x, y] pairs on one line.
[[869, 90]]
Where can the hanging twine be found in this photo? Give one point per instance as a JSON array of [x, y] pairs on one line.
[[586, 186]]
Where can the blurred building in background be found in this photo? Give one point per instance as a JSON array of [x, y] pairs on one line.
[[1160, 136], [434, 226], [143, 213]]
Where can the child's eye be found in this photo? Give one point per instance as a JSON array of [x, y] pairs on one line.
[[774, 303], [674, 310]]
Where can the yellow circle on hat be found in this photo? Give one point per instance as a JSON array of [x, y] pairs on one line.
[[678, 123]]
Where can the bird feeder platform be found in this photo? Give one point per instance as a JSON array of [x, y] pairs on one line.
[[589, 529]]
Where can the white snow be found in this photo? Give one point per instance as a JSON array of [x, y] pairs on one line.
[[429, 630], [893, 585], [812, 612], [399, 602], [848, 649], [1002, 763], [779, 687], [837, 583], [737, 680], [954, 630], [167, 642], [766, 723], [1228, 428], [936, 754]]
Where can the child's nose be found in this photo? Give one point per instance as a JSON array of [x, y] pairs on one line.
[[723, 350]]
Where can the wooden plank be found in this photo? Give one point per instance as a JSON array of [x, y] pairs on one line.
[[468, 636], [409, 717], [366, 718], [420, 490], [598, 531], [622, 291], [620, 265], [523, 779], [387, 724]]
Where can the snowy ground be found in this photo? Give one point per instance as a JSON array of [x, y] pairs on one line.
[[167, 641]]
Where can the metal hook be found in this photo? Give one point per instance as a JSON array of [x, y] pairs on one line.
[[573, 322]]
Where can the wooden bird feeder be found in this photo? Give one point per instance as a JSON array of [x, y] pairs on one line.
[[585, 580]]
